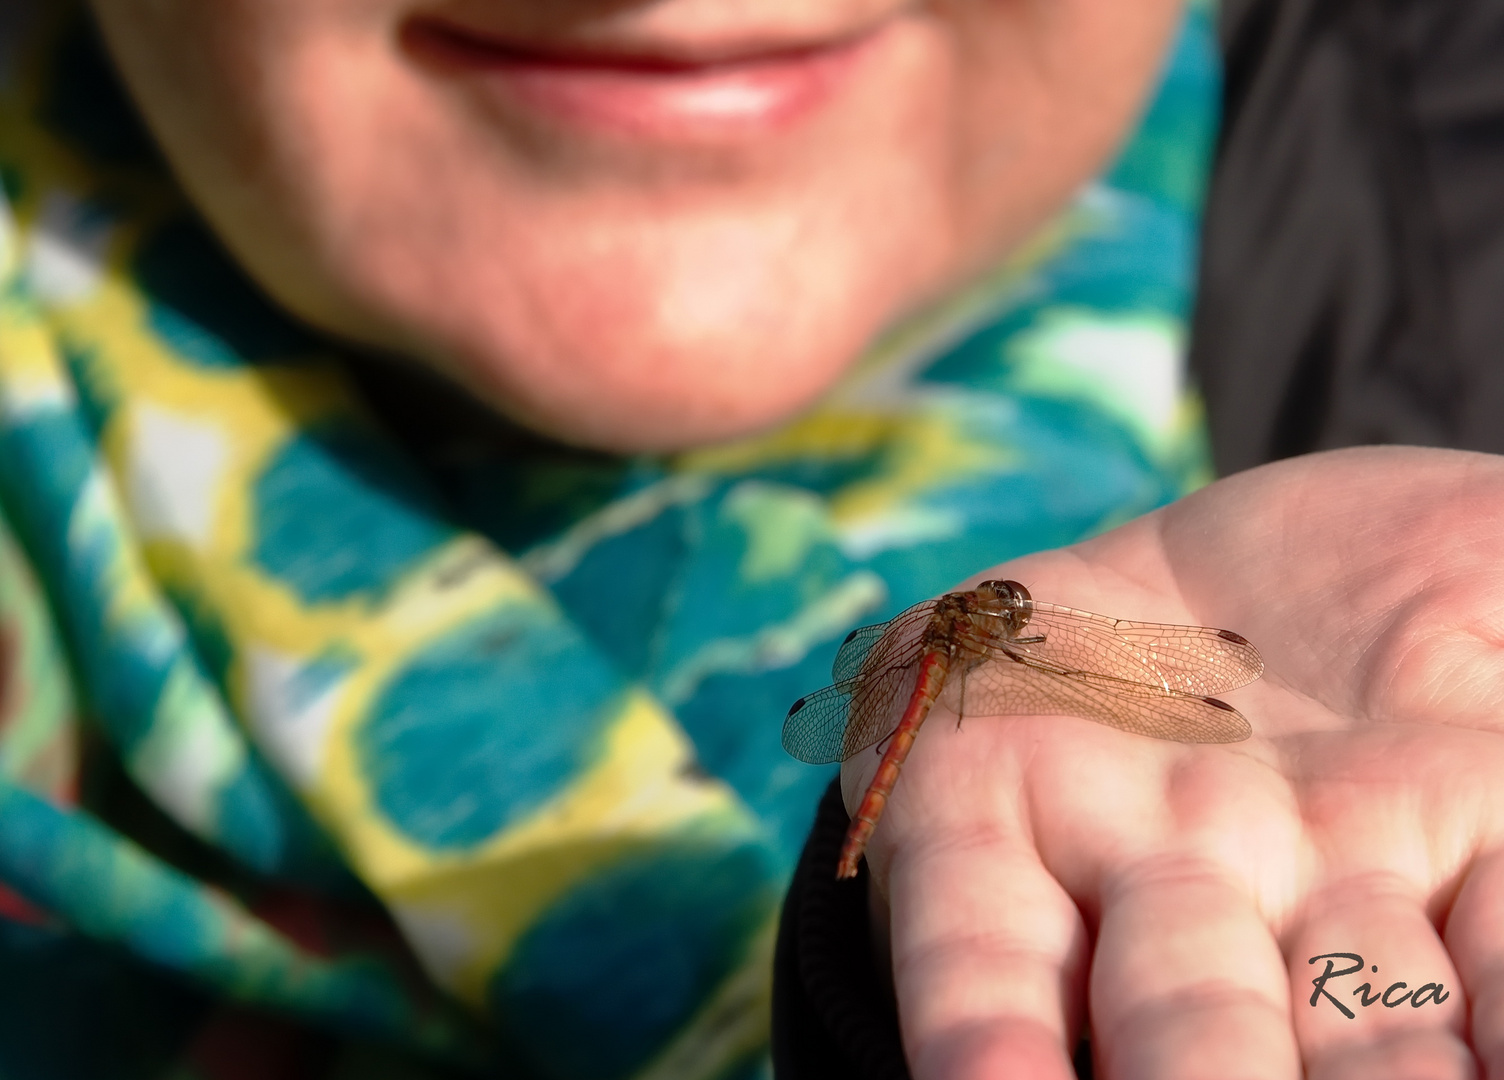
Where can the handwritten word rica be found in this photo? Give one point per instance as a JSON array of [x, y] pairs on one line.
[[1434, 993]]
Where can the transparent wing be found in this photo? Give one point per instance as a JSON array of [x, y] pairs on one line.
[[858, 643], [854, 651], [1153, 679], [841, 721], [815, 727], [878, 700], [875, 673], [1021, 688], [1195, 660]]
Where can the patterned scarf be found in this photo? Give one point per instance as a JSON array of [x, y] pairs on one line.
[[468, 744]]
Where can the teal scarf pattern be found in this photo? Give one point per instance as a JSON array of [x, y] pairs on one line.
[[459, 751]]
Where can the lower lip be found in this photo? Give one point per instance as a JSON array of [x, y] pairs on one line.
[[649, 98]]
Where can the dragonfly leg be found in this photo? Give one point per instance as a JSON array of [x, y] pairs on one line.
[[1037, 639]]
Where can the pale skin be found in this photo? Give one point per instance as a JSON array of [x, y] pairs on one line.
[[1030, 872], [630, 286], [658, 285]]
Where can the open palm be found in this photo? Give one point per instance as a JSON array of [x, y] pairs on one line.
[[1037, 871]]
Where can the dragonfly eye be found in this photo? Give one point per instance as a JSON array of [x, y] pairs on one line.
[[1019, 594], [1015, 602], [1011, 593]]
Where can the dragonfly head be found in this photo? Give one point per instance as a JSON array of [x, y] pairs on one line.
[[1013, 601]]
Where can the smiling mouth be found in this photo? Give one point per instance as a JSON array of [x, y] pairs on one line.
[[645, 94]]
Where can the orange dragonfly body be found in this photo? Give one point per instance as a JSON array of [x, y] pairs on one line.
[[995, 651]]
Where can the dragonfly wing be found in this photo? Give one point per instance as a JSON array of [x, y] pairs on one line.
[[859, 643], [1194, 660], [841, 721], [1017, 688], [878, 700], [854, 650], [815, 728], [874, 677]]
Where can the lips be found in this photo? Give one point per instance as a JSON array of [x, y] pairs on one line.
[[646, 91]]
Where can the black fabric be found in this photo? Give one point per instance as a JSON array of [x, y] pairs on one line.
[[1353, 247], [1351, 292], [833, 1013]]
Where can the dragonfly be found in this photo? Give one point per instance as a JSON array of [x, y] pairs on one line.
[[996, 651]]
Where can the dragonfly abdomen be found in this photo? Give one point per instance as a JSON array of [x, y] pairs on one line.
[[934, 665]]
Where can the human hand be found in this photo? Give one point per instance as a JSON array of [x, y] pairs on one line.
[[1030, 870]]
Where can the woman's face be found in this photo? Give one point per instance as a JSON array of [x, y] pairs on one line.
[[632, 224]]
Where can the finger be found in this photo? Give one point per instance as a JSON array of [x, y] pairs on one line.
[[989, 959], [1375, 992], [1475, 939], [1187, 981]]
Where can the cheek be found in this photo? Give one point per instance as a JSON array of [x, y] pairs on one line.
[[1045, 93], [228, 88]]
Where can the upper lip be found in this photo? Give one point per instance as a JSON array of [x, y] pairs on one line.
[[643, 51]]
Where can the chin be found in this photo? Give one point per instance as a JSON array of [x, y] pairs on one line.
[[657, 428], [654, 400], [705, 328]]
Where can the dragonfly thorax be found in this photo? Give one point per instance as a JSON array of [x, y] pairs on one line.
[[993, 610]]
